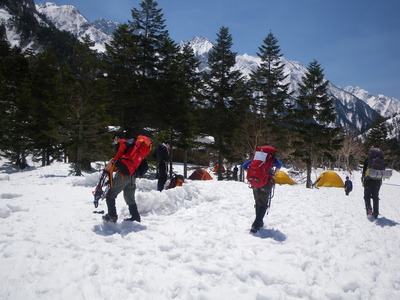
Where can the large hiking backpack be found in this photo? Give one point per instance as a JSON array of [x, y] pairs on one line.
[[376, 159], [176, 180], [259, 172], [135, 154], [376, 165]]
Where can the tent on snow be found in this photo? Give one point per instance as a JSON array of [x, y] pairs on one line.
[[283, 178], [329, 179], [215, 170], [200, 174]]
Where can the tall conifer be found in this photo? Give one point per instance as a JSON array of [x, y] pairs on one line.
[[270, 94], [314, 118], [223, 95]]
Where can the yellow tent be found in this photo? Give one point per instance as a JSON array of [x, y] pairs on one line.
[[329, 179], [283, 178]]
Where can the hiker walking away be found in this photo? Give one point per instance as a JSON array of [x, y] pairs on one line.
[[260, 172], [374, 160], [235, 173], [348, 185], [122, 181], [162, 155]]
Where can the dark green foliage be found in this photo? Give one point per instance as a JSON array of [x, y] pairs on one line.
[[224, 95], [314, 116], [14, 104], [58, 103], [85, 120], [378, 134], [270, 96]]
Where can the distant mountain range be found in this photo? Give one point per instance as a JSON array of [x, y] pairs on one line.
[[356, 108]]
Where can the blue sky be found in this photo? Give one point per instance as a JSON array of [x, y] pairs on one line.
[[357, 42]]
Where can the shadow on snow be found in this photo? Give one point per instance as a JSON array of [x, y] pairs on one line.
[[386, 222], [123, 228], [271, 233]]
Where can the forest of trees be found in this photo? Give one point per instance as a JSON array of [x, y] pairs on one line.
[[61, 105]]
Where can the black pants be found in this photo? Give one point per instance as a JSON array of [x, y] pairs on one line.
[[162, 175], [371, 190]]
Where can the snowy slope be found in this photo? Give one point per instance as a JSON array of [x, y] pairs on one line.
[[68, 18], [386, 106], [193, 242]]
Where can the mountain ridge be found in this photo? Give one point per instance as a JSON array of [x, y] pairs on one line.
[[356, 108]]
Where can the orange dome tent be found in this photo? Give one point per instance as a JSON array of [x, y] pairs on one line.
[[200, 174]]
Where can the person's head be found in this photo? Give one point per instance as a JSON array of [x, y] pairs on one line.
[[167, 143], [347, 177], [118, 136]]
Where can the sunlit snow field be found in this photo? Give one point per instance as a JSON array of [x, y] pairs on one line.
[[194, 242]]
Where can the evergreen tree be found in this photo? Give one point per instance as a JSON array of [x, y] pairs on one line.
[[189, 83], [14, 104], [270, 97], [45, 107], [270, 93], [378, 134], [314, 117], [85, 124], [224, 95], [140, 47], [149, 29], [121, 69]]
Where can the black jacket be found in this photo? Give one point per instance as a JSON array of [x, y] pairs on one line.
[[162, 153]]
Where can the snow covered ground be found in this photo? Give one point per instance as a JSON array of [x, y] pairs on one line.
[[194, 242]]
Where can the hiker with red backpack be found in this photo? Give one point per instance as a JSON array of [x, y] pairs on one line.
[[128, 161], [261, 171]]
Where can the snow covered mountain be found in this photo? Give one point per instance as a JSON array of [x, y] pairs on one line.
[[387, 107], [356, 108], [16, 16], [107, 27], [68, 18]]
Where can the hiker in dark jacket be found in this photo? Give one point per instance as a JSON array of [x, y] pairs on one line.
[[120, 183], [371, 186], [348, 186], [162, 156]]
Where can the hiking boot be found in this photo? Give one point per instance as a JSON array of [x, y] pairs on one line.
[[369, 211], [253, 229], [375, 215], [133, 210], [109, 218], [133, 219]]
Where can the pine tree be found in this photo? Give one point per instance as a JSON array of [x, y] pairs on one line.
[[149, 29], [85, 130], [223, 93], [44, 107], [314, 117], [140, 48], [14, 104], [270, 93], [378, 134], [185, 122], [121, 69], [270, 96]]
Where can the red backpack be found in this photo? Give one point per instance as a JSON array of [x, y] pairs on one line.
[[258, 174], [136, 151]]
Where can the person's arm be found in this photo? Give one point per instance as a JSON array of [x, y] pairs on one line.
[[245, 166], [120, 152], [277, 164]]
